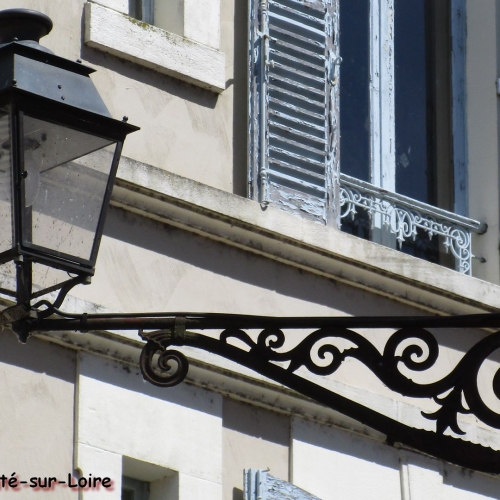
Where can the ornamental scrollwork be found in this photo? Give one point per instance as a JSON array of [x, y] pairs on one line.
[[415, 349], [323, 351], [462, 382], [405, 221], [160, 366]]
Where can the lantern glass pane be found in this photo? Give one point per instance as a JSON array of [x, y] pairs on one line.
[[67, 174], [6, 226]]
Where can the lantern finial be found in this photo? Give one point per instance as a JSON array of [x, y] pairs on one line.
[[23, 25]]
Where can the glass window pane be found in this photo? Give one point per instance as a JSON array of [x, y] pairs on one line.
[[354, 88], [134, 489], [67, 175], [422, 100], [6, 241], [412, 175], [135, 9]]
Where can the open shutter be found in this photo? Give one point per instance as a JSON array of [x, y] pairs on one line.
[[294, 106], [259, 485]]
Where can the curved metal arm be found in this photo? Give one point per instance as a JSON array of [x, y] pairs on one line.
[[412, 347]]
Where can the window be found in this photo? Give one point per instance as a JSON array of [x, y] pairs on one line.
[[142, 10], [409, 107], [198, 20], [133, 489], [146, 481], [351, 116]]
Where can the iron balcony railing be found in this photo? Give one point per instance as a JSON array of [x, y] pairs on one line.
[[404, 217]]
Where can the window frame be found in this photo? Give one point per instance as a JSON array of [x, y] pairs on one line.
[[382, 101]]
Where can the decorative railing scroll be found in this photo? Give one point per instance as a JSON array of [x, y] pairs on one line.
[[409, 348], [403, 217]]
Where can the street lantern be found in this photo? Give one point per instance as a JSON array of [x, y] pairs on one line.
[[59, 152]]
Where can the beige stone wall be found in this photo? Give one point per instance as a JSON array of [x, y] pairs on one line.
[[252, 438], [37, 388], [482, 129]]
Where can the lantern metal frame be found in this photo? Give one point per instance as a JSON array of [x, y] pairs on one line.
[[83, 122]]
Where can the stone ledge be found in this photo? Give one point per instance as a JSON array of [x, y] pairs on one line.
[[240, 222]]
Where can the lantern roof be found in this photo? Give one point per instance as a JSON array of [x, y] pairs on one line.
[[28, 68]]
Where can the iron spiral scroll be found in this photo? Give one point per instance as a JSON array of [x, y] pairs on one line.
[[414, 348]]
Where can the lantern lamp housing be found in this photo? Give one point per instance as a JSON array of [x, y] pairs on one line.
[[59, 151]]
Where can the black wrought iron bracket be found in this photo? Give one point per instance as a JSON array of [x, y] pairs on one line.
[[412, 346]]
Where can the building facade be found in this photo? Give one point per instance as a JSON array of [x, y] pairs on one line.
[[295, 158]]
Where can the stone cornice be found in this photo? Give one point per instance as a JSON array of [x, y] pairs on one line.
[[240, 222]]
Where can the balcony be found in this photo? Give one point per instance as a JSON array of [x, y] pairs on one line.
[[404, 219]]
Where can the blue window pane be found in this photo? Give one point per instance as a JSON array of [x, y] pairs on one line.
[[414, 171], [354, 44], [422, 100]]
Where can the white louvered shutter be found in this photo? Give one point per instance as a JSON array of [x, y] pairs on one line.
[[259, 485], [294, 106]]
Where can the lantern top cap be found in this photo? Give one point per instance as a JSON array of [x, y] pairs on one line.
[[23, 25]]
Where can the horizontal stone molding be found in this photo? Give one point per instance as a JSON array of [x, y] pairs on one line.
[[240, 222]]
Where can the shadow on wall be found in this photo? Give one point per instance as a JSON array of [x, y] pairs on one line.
[[343, 444], [363, 465], [151, 78], [130, 379], [253, 438], [38, 356], [259, 423], [241, 266], [60, 363], [457, 478], [425, 476]]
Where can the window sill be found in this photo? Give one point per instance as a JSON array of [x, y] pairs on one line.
[[152, 47]]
